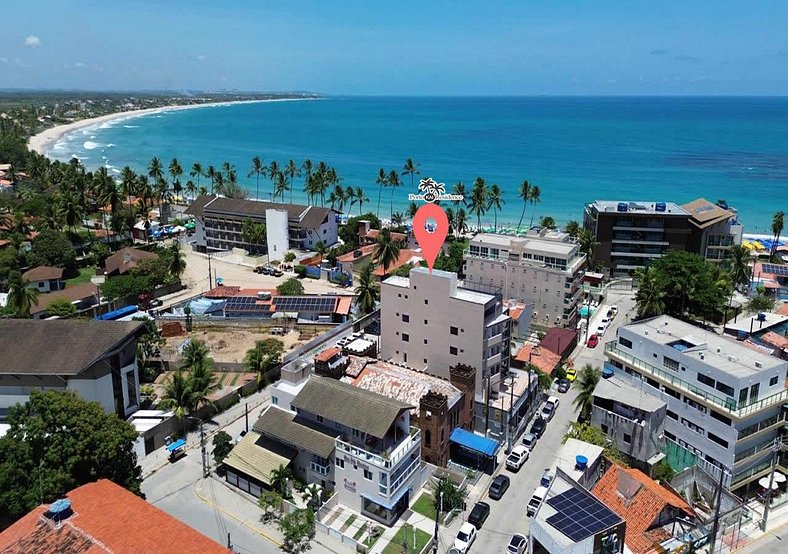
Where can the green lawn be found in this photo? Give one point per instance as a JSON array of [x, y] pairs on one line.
[[84, 276], [406, 533], [424, 505]]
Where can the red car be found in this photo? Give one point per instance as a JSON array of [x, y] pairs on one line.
[[593, 340]]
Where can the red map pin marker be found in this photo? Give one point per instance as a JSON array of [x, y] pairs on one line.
[[430, 237]]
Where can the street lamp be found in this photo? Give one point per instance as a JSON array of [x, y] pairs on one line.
[[205, 469]]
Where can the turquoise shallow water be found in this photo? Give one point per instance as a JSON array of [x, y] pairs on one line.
[[576, 149]]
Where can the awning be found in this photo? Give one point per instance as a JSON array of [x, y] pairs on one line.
[[474, 442], [257, 457]]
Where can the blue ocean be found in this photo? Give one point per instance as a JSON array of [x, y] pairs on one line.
[[576, 149]]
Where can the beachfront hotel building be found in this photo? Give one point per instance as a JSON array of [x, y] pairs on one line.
[[543, 269], [631, 235], [714, 229], [726, 403], [219, 225], [430, 323]]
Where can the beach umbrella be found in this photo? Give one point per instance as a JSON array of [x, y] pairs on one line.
[[764, 482], [779, 477]]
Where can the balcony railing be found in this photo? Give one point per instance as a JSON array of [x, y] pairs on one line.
[[728, 404], [392, 489], [317, 468], [386, 462]]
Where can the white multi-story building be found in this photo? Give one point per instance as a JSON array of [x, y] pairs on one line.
[[543, 269], [430, 323], [726, 403]]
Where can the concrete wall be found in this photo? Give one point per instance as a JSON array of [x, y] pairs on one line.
[[277, 234], [99, 389]]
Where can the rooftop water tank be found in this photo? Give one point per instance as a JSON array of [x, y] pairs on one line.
[[581, 461], [622, 206], [59, 509], [660, 207]]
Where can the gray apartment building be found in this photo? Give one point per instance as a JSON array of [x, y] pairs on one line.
[[726, 403], [219, 225], [714, 229], [543, 269]]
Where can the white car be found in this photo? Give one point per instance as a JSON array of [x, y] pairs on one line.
[[614, 309], [606, 321], [601, 330], [548, 410], [517, 457], [465, 537], [518, 544]]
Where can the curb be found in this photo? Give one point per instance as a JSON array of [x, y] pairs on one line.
[[197, 492]]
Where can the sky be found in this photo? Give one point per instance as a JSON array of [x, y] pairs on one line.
[[439, 47]]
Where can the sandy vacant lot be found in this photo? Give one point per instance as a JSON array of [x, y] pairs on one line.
[[230, 344]]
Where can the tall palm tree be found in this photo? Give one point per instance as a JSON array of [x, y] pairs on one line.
[[202, 381], [523, 193], [155, 169], [649, 296], [191, 189], [197, 172], [367, 291], [69, 210], [108, 194], [386, 251], [535, 198], [211, 173], [459, 190], [382, 181], [586, 383], [412, 209], [361, 197], [572, 228], [21, 296], [306, 171], [281, 186], [273, 172], [176, 171], [393, 183], [279, 477], [777, 228], [350, 197], [258, 168], [177, 395], [588, 245], [739, 265], [218, 182], [411, 169], [177, 262], [494, 201], [128, 182], [460, 222], [194, 351], [291, 170], [479, 201]]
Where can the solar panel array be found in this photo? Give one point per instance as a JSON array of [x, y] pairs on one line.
[[780, 270], [305, 303], [579, 515], [243, 304]]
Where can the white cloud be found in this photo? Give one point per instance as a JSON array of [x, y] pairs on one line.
[[33, 41], [201, 58], [79, 65]]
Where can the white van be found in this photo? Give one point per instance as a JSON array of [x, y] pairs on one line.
[[536, 500]]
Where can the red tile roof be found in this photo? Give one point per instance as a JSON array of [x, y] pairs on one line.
[[43, 273], [106, 519], [775, 339], [366, 250], [372, 235], [405, 256], [647, 501], [542, 358], [327, 354], [782, 310], [222, 292], [126, 259], [557, 340]]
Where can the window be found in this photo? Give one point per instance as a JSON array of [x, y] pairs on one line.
[[455, 331], [320, 419], [367, 475], [425, 341], [426, 322], [604, 428], [673, 415], [627, 438], [356, 433], [275, 400], [405, 318], [706, 380], [453, 350], [625, 342], [337, 425], [725, 389], [670, 363], [131, 385], [426, 301], [754, 392], [718, 440], [773, 381], [405, 337], [405, 357], [340, 463], [719, 417], [427, 437]]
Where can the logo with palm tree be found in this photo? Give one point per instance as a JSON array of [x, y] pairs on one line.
[[432, 191]]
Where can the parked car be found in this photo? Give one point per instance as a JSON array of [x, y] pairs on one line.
[[536, 501], [258, 269], [479, 514], [517, 457], [538, 427], [553, 400], [601, 330], [465, 537], [518, 544], [498, 487], [606, 320], [614, 309], [571, 374], [563, 385], [547, 478], [529, 441], [548, 410], [593, 341], [276, 273]]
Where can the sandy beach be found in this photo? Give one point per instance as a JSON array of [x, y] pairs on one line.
[[43, 142]]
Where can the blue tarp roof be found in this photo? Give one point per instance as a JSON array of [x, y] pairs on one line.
[[121, 312], [177, 444], [475, 442]]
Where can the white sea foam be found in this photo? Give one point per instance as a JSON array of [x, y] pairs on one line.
[[131, 126], [90, 145], [110, 145]]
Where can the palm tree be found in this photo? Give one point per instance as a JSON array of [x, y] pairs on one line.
[[398, 218], [586, 383], [479, 201], [393, 183], [177, 262], [412, 209], [460, 222], [337, 198], [191, 189], [459, 190], [279, 477], [197, 172], [386, 250], [260, 359], [306, 171], [350, 197], [524, 193], [202, 381], [739, 265], [649, 296], [177, 395], [21, 296], [281, 186], [367, 291], [176, 171], [411, 169], [494, 201], [194, 351], [211, 173], [108, 194], [258, 168], [535, 198], [128, 182], [69, 210], [548, 222], [777, 228], [273, 172], [360, 197], [382, 180], [588, 244], [155, 170], [572, 228], [291, 170]]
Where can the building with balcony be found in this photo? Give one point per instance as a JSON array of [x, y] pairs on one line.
[[543, 269], [726, 403], [631, 235], [95, 359], [430, 323], [356, 443], [219, 225], [632, 419], [713, 229]]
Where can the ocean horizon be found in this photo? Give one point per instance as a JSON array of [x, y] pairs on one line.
[[576, 149]]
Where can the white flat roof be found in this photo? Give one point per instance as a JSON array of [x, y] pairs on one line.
[[472, 296], [610, 206], [621, 391], [566, 457], [743, 323]]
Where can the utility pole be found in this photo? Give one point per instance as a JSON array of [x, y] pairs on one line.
[[205, 472], [246, 415], [229, 543], [210, 277], [487, 407], [437, 517], [715, 526], [775, 451], [511, 414]]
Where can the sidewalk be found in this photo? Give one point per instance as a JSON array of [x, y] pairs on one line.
[[156, 460], [751, 533]]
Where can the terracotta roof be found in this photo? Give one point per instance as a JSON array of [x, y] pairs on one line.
[[782, 310], [72, 293], [222, 292], [72, 345], [372, 235], [516, 312], [405, 257], [704, 213], [344, 303], [542, 359], [557, 340], [106, 519], [43, 273], [126, 259], [365, 250], [327, 354], [775, 340], [308, 217], [647, 500]]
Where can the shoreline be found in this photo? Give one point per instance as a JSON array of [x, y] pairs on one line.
[[43, 142]]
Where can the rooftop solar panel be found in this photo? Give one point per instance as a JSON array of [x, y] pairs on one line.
[[776, 269], [580, 515]]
